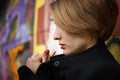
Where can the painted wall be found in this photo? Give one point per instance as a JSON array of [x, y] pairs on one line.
[[16, 35]]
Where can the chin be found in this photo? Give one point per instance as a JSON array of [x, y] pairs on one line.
[[67, 52]]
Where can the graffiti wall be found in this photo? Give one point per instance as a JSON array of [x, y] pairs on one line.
[[41, 25], [16, 37]]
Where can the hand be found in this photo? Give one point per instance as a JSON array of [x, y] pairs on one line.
[[34, 61]]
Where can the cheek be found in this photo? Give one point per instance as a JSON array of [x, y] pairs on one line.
[[79, 45], [74, 46]]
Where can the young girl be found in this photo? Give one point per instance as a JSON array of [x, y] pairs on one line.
[[82, 28]]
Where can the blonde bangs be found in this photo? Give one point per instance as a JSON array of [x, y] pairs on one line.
[[96, 18], [67, 19]]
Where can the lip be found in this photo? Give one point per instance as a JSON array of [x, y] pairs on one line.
[[62, 46]]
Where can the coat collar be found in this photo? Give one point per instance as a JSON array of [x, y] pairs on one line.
[[96, 52]]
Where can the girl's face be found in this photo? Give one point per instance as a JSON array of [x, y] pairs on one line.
[[72, 43]]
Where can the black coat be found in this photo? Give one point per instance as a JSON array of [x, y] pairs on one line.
[[96, 63]]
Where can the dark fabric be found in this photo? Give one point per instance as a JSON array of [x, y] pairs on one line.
[[25, 73], [95, 63]]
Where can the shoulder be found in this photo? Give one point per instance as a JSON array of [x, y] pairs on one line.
[[98, 65], [103, 70]]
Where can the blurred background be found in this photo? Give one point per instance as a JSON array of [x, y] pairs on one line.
[[26, 28]]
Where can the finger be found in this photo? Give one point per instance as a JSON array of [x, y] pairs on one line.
[[33, 64], [45, 56], [28, 61], [34, 55], [37, 57], [52, 53]]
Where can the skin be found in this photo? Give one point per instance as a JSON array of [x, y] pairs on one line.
[[35, 60], [70, 43], [73, 43]]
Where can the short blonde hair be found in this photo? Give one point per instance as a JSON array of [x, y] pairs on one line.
[[94, 17]]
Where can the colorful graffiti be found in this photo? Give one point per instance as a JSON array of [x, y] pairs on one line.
[[16, 37], [41, 25]]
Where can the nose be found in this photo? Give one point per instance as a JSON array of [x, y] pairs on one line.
[[57, 35]]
